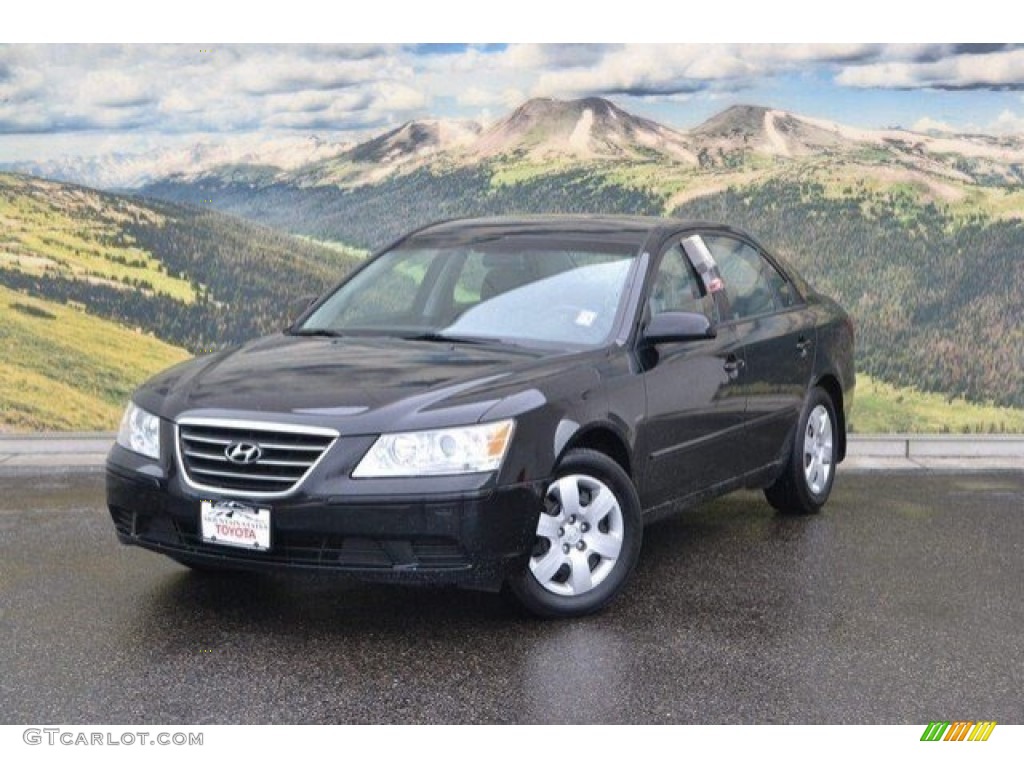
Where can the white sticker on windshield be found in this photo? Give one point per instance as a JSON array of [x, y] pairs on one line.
[[586, 318]]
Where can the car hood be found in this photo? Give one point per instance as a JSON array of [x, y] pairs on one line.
[[369, 384]]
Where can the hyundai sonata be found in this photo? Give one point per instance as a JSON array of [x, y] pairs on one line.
[[496, 403]]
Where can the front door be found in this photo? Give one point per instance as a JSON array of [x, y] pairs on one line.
[[695, 402]]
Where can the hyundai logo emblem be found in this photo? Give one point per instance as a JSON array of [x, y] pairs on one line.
[[243, 453]]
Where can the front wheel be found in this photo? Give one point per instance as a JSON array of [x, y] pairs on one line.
[[587, 540], [806, 482]]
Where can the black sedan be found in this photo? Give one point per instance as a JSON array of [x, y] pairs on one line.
[[497, 402]]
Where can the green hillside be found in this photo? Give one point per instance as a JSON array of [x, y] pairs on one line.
[[100, 291], [879, 407], [67, 231], [61, 369], [191, 276]]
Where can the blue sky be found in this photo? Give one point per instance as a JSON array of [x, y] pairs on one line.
[[94, 99]]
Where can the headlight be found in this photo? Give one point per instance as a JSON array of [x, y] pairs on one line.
[[139, 432], [455, 451]]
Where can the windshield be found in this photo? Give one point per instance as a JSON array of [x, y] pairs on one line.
[[513, 290]]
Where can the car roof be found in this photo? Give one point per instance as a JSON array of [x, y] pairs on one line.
[[629, 230]]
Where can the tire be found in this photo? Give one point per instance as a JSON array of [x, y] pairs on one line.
[[588, 539], [806, 481]]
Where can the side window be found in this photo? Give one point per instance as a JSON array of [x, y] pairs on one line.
[[470, 281], [784, 291], [747, 276], [676, 287]]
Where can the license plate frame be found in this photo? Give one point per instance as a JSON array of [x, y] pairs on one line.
[[229, 523]]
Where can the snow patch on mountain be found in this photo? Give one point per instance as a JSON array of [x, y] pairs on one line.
[[579, 139]]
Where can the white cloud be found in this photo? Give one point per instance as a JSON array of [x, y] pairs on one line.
[[173, 91], [507, 98], [477, 97], [512, 98], [536, 56], [263, 73], [678, 69], [114, 88], [686, 68], [180, 101], [395, 96], [1000, 69], [177, 89], [20, 84], [805, 52], [926, 124], [1008, 122]]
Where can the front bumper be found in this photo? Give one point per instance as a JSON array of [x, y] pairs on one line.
[[463, 535]]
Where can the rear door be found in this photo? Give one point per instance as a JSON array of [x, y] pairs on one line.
[[777, 334]]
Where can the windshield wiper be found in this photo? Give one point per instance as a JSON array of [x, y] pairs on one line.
[[444, 337], [316, 332]]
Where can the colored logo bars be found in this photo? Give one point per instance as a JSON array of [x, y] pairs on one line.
[[958, 730]]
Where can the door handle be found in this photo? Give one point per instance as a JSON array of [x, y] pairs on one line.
[[733, 364], [803, 346]]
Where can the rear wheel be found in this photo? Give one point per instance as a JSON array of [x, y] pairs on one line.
[[806, 482], [587, 540]]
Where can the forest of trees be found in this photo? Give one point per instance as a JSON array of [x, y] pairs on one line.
[[938, 303], [373, 216]]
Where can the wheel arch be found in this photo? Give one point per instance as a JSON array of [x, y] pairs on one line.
[[603, 438], [834, 389]]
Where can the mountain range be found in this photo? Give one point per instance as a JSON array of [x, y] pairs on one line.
[[130, 170], [552, 132], [590, 154]]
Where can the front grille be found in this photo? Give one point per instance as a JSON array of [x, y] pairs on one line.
[[287, 454]]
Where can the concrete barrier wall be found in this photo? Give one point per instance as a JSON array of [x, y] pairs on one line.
[[937, 446], [860, 446]]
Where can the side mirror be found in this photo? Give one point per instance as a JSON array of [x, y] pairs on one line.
[[678, 326]]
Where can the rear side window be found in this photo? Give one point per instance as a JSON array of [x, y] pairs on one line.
[[784, 291], [752, 284]]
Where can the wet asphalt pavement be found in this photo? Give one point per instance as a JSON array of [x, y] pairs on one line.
[[901, 603]]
